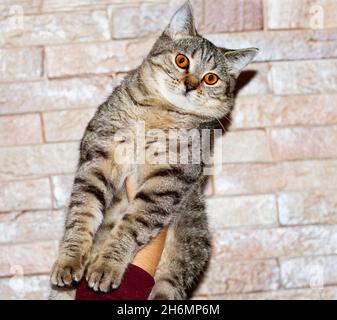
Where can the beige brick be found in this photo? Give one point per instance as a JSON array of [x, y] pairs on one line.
[[304, 77], [244, 146], [308, 207], [147, 19], [230, 245], [231, 179], [308, 271], [303, 143], [20, 64], [247, 178], [55, 94], [25, 288], [242, 211], [107, 57], [25, 195], [139, 21], [293, 14], [271, 111], [26, 226], [79, 26], [19, 162], [28, 259], [282, 45], [61, 189], [66, 5], [232, 15], [238, 277], [254, 80], [328, 293], [309, 175], [66, 125], [20, 129], [9, 7]]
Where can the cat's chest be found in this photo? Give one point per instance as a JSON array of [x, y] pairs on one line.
[[158, 118]]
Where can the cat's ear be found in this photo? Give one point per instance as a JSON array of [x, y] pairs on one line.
[[182, 23], [238, 59]]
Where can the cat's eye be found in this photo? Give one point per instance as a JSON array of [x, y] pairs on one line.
[[182, 61], [211, 78]]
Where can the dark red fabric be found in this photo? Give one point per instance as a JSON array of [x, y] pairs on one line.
[[136, 285]]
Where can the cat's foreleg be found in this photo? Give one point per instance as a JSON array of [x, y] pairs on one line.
[[148, 213], [93, 190]]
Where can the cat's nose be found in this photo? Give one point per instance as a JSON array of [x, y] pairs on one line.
[[190, 84]]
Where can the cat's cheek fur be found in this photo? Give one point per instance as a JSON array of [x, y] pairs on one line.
[[188, 103]]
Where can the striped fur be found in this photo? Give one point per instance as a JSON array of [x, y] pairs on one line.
[[103, 231]]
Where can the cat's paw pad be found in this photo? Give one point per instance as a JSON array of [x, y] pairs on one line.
[[67, 270], [105, 275]]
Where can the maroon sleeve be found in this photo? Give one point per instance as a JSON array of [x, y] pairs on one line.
[[136, 285]]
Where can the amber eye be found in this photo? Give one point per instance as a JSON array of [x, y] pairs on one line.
[[211, 78], [182, 61]]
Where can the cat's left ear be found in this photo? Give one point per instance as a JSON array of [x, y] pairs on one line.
[[238, 59], [182, 23]]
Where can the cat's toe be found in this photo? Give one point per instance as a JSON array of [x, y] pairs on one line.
[[94, 279], [66, 271], [104, 275]]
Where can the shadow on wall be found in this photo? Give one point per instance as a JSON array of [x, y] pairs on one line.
[[243, 80]]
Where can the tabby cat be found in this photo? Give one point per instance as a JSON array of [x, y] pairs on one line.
[[185, 82]]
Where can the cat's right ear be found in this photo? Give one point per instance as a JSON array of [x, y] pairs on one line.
[[182, 23]]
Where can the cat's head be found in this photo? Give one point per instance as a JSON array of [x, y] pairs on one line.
[[190, 72]]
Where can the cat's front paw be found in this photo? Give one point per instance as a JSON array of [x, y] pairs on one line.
[[68, 269], [104, 274]]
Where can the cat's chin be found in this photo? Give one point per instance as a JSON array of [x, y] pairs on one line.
[[183, 103], [180, 101]]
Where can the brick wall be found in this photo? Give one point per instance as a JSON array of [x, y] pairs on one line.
[[274, 209]]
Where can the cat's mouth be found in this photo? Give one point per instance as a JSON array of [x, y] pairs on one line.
[[182, 100], [183, 95]]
